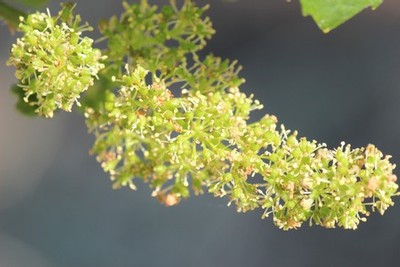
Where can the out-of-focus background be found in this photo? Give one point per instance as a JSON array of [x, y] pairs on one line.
[[57, 208]]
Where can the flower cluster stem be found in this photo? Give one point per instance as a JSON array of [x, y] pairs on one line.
[[10, 15]]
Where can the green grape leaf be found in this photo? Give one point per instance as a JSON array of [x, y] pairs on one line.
[[329, 14]]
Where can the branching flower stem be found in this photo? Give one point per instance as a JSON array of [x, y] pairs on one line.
[[162, 113]]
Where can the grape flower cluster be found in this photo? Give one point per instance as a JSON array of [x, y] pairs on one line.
[[197, 141], [162, 113], [54, 62]]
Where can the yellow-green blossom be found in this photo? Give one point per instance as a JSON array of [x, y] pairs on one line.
[[54, 62]]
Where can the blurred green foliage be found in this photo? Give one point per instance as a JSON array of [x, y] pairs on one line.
[[329, 14], [32, 3]]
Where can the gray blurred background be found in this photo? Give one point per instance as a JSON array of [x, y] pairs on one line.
[[57, 207]]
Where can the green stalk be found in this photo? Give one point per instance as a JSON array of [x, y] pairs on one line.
[[10, 15]]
